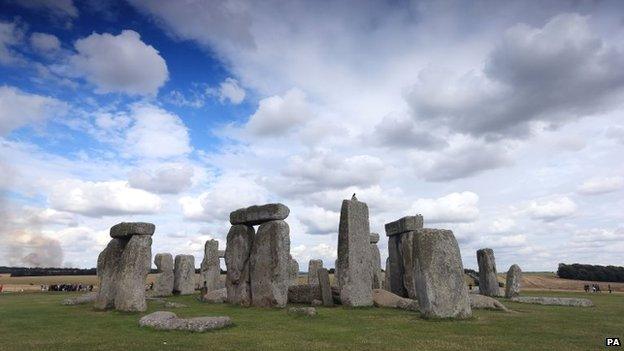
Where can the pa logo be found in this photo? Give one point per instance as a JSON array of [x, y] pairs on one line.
[[613, 342]]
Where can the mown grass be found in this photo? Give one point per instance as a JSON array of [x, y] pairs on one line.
[[37, 321]]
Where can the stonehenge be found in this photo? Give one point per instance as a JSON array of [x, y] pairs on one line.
[[400, 274], [488, 283], [512, 284], [324, 284], [122, 267], [184, 275], [209, 268], [375, 263], [163, 286], [239, 241], [313, 267], [355, 280]]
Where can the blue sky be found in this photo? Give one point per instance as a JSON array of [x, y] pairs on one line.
[[500, 121]]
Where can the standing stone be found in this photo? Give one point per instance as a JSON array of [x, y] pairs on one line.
[[184, 275], [323, 282], [240, 239], [163, 286], [336, 273], [313, 266], [209, 268], [512, 286], [387, 275], [134, 265], [406, 247], [270, 265], [400, 242], [221, 253], [395, 279], [488, 284], [255, 215], [375, 265], [355, 280], [440, 286], [294, 271], [107, 264]]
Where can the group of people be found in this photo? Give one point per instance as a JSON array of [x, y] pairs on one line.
[[595, 288], [67, 287]]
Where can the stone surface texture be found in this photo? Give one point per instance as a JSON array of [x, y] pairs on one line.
[[374, 238], [478, 301], [406, 251], [240, 240], [304, 293], [375, 266], [488, 284], [210, 271], [107, 266], [184, 275], [164, 320], [512, 285], [214, 296], [355, 279], [163, 285], [313, 266], [325, 285], [128, 229], [270, 265], [80, 300], [387, 274], [405, 224], [255, 215], [558, 301], [134, 265], [441, 290], [294, 271], [383, 298]]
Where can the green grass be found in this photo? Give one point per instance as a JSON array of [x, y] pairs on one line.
[[38, 322]]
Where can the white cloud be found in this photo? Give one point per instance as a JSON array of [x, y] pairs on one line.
[[230, 90], [601, 185], [598, 236], [45, 43], [120, 63], [550, 208], [319, 220], [18, 108], [168, 179], [277, 115], [451, 208], [10, 36], [58, 8], [96, 199]]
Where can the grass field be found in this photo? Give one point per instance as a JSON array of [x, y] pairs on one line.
[[36, 321]]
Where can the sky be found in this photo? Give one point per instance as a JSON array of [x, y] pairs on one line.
[[502, 121]]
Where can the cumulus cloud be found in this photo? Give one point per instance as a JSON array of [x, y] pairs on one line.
[[120, 63], [10, 36], [403, 132], [552, 74], [231, 91], [598, 236], [452, 208], [97, 199], [19, 108], [45, 43], [168, 179], [278, 114], [601, 185], [319, 220], [551, 208]]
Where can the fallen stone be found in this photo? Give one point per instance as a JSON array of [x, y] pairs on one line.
[[171, 304], [558, 301], [317, 303], [255, 215], [485, 302], [134, 265], [324, 284], [239, 242], [184, 275], [80, 300], [383, 298], [403, 225], [164, 320], [163, 286], [269, 264], [488, 284], [210, 270], [304, 293], [512, 286], [374, 238], [304, 311], [107, 265], [127, 229], [215, 296], [439, 274], [313, 267], [355, 280]]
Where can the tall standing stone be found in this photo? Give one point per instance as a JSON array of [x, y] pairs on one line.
[[395, 278], [375, 257], [406, 247], [440, 286], [270, 265], [387, 275], [326, 293], [184, 275], [209, 268], [163, 286], [134, 265], [488, 284], [355, 280], [294, 271], [512, 286], [240, 239], [107, 265], [313, 266], [400, 242]]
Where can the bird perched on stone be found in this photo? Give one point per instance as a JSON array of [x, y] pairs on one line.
[[353, 197]]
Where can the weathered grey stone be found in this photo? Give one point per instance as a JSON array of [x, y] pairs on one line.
[[128, 229], [171, 304], [488, 284], [396, 271], [485, 302], [304, 311], [439, 274], [323, 282], [294, 271], [184, 275], [239, 242], [405, 224], [375, 266], [209, 268], [336, 273], [270, 265], [386, 284], [215, 296], [313, 266], [512, 286], [355, 280], [134, 265], [255, 215], [383, 298], [221, 253], [406, 249], [558, 301], [374, 238], [80, 300], [107, 266], [163, 286], [304, 293], [164, 320], [317, 303]]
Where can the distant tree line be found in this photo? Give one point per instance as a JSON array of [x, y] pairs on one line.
[[39, 271], [591, 272]]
